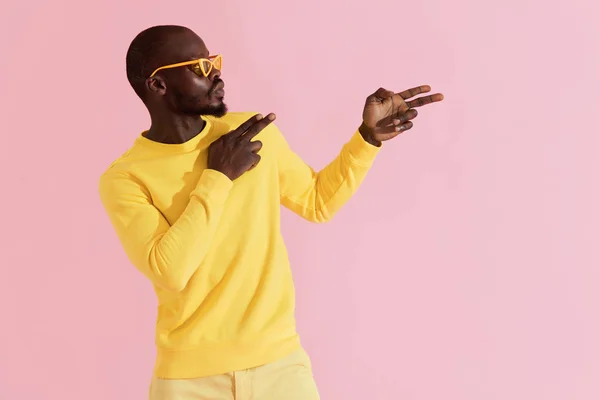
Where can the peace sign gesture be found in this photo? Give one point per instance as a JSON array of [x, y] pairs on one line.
[[387, 114]]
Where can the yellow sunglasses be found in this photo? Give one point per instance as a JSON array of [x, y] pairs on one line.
[[202, 66]]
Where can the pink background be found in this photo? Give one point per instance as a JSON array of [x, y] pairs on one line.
[[467, 266]]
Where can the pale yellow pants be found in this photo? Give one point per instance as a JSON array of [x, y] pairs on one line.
[[290, 378]]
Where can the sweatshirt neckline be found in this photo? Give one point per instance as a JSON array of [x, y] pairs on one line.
[[179, 147]]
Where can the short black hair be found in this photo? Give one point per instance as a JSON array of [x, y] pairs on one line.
[[143, 54]]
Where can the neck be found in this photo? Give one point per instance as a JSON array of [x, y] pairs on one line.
[[174, 129]]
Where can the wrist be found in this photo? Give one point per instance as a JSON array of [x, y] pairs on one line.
[[367, 135], [222, 171]]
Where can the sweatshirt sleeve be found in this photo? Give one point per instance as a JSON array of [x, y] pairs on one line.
[[318, 196], [167, 254]]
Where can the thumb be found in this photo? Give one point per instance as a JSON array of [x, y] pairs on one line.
[[381, 93]]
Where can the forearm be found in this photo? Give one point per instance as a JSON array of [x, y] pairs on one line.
[[318, 196]]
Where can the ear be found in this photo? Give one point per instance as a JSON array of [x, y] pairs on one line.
[[156, 85]]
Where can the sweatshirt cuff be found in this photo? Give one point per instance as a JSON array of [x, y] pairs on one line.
[[361, 151], [212, 185]]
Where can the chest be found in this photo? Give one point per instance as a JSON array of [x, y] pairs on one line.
[[171, 183]]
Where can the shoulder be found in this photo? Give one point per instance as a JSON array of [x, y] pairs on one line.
[[125, 164], [119, 178]]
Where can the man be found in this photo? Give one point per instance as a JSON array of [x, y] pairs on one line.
[[195, 203]]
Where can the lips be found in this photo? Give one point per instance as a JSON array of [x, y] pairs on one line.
[[219, 89]]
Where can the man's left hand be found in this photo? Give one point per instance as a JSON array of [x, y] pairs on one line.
[[388, 114]]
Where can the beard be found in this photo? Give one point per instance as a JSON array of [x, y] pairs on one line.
[[196, 105], [215, 110]]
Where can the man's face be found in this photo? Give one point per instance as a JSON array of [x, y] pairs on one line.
[[186, 90]]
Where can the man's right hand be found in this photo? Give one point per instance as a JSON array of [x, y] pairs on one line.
[[234, 153]]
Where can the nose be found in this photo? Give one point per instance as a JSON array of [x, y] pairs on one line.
[[214, 73]]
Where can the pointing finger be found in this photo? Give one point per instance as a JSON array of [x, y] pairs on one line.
[[258, 127], [245, 126], [421, 101], [407, 94]]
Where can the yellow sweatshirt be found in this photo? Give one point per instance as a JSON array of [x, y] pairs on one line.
[[212, 248]]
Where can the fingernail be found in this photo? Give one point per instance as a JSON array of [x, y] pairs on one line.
[[398, 128], [271, 117], [396, 121], [259, 116]]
